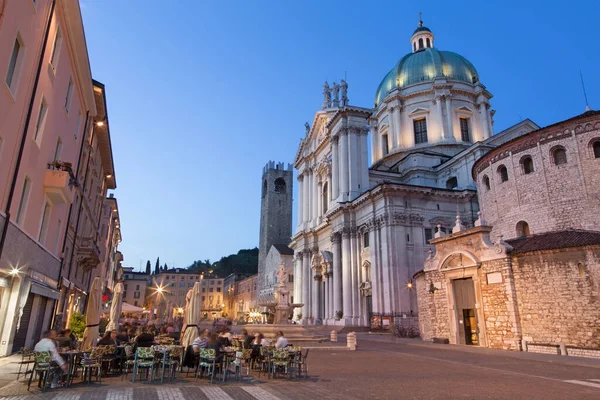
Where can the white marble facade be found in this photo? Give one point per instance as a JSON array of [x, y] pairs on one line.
[[363, 225]]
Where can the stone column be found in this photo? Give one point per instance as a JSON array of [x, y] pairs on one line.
[[376, 271], [364, 162], [385, 269], [319, 201], [325, 295], [337, 273], [355, 260], [392, 134], [315, 198], [353, 163], [306, 276], [450, 130], [483, 109], [344, 173], [305, 190], [335, 161], [298, 278], [316, 301], [346, 275], [374, 143], [300, 200], [398, 126], [440, 117]]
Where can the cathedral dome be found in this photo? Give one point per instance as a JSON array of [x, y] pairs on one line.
[[424, 64]]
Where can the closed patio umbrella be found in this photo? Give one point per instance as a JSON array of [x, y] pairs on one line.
[[115, 307], [188, 296], [192, 316], [92, 315]]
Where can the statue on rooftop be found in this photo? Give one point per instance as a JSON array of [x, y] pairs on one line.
[[344, 88], [326, 95], [336, 93]]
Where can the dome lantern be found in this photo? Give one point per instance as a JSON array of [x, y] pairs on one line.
[[422, 37]]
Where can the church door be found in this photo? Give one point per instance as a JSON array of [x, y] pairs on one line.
[[464, 298], [369, 300]]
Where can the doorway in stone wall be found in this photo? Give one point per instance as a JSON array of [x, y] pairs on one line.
[[466, 313]]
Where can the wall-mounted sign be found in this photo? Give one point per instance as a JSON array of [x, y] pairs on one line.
[[494, 277]]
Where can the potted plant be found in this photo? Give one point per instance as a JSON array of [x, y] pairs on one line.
[[77, 325], [338, 315], [299, 317]]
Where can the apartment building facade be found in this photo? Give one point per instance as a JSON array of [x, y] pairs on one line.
[[50, 124]]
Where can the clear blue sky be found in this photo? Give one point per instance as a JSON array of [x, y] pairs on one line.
[[201, 94]]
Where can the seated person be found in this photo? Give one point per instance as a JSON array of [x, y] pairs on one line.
[[57, 362], [213, 343], [64, 339], [123, 337], [201, 342], [246, 339], [281, 342], [145, 339], [109, 339]]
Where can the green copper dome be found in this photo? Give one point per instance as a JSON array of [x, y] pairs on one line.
[[426, 65]]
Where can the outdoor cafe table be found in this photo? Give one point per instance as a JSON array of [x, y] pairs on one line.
[[70, 357], [164, 351]]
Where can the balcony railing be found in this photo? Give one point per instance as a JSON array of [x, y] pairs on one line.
[[59, 181], [88, 253]]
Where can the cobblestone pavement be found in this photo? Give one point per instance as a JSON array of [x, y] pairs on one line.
[[380, 369]]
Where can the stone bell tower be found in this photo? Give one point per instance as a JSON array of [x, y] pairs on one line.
[[275, 212]]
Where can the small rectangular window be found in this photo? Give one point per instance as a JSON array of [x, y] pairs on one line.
[[41, 121], [56, 45], [12, 74], [78, 128], [385, 145], [428, 235], [23, 201], [366, 240], [58, 235], [58, 150], [218, 289], [211, 289], [464, 130], [291, 279], [420, 128], [69, 95], [45, 222]]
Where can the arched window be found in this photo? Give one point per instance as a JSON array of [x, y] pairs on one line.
[[523, 229], [279, 185], [502, 173], [428, 42], [264, 189], [596, 148], [527, 165], [420, 43], [451, 183], [325, 197], [486, 182], [559, 155], [415, 46]]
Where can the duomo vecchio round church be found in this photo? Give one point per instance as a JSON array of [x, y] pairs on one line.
[[474, 237]]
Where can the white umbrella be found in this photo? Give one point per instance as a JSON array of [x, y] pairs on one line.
[[188, 296], [192, 314], [115, 307], [92, 315]]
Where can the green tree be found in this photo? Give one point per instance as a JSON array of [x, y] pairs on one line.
[[77, 324], [165, 268], [148, 268], [157, 266]]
